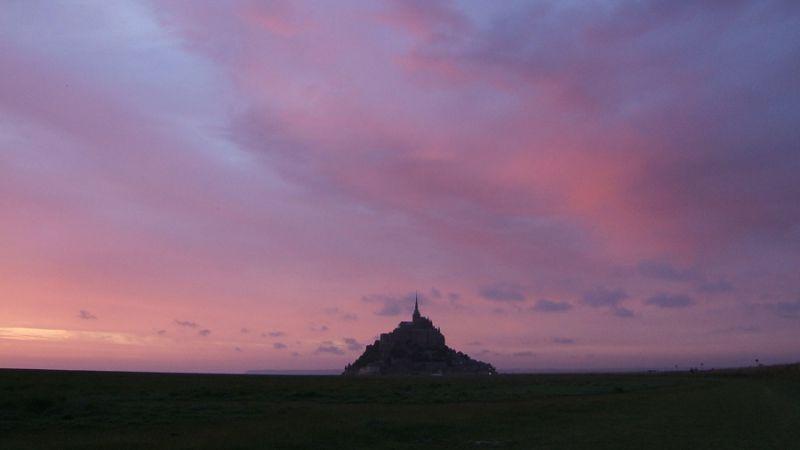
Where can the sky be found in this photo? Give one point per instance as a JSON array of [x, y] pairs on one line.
[[213, 186]]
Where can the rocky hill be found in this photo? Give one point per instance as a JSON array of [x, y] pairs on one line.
[[415, 348]]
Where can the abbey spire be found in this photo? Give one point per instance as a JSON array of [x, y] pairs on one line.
[[415, 317]]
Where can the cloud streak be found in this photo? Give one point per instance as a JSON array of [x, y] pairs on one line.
[[329, 347], [665, 300], [86, 315], [603, 297], [390, 305], [549, 306], [503, 292], [786, 310]]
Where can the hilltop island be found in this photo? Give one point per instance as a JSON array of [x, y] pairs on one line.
[[415, 348]]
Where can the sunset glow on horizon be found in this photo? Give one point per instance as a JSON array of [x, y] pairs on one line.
[[567, 185]]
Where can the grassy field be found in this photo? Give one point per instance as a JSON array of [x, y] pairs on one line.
[[749, 409]]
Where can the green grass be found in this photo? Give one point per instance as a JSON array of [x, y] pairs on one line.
[[749, 409]]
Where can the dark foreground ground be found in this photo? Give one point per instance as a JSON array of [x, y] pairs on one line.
[[749, 409]]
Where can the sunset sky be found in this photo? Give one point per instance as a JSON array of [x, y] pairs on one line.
[[569, 185]]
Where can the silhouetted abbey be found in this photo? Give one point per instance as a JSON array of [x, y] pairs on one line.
[[415, 348]]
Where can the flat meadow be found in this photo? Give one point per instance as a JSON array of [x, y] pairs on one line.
[[745, 408]]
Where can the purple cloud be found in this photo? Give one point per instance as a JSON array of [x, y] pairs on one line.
[[503, 292], [393, 305], [665, 271], [86, 315], [329, 347], [549, 306], [787, 310], [714, 287], [352, 344], [603, 297], [664, 300], [341, 315], [620, 311]]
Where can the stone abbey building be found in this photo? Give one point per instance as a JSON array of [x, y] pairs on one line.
[[415, 347]]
